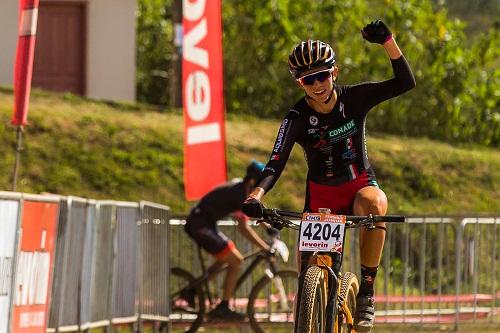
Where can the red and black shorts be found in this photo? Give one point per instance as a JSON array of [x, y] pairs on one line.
[[206, 235], [339, 198]]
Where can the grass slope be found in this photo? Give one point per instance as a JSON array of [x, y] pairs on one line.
[[75, 146]]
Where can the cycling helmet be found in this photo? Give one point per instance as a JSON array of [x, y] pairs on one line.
[[308, 55], [254, 169]]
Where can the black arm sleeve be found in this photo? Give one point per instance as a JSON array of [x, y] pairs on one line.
[[287, 135], [373, 93]]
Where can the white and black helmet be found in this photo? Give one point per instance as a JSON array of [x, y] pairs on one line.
[[308, 55]]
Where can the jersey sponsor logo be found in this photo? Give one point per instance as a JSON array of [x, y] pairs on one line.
[[267, 168], [319, 136], [313, 120], [341, 109], [348, 143], [350, 152], [320, 143], [342, 131], [322, 131], [281, 134]]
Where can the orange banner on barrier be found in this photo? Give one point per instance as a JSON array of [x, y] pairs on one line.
[[202, 77], [34, 268]]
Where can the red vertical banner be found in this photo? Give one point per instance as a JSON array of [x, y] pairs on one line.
[[203, 100], [28, 15], [34, 267]]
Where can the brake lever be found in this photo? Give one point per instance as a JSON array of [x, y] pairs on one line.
[[368, 223]]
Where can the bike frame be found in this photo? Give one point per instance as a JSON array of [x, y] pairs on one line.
[[330, 262], [204, 279]]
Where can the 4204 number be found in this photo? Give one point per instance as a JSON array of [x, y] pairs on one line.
[[322, 231]]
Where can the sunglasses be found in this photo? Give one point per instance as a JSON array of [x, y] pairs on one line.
[[319, 76]]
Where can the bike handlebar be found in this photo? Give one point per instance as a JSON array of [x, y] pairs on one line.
[[277, 219]]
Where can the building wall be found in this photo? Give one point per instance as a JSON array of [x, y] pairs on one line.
[[111, 47], [111, 59], [8, 39]]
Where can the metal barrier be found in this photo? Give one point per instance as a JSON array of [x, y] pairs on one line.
[[107, 261], [154, 269], [125, 274], [436, 270], [27, 249], [183, 254], [9, 213]]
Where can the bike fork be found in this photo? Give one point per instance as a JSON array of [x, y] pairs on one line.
[[278, 282]]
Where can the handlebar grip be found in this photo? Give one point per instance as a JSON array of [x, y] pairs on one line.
[[391, 218], [266, 213]]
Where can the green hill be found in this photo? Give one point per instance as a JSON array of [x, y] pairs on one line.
[[75, 146]]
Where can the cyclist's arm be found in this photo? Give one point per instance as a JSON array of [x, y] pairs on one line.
[[287, 134], [392, 49], [373, 93], [252, 236]]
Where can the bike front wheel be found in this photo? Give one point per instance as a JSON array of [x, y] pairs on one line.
[[271, 301], [187, 305], [313, 300], [348, 290]]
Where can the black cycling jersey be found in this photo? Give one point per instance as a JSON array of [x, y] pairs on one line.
[[201, 224], [334, 143], [220, 202]]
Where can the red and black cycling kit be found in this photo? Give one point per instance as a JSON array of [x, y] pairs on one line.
[[334, 143], [201, 224]]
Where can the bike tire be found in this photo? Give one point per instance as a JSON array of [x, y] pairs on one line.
[[190, 318], [313, 300], [269, 288], [348, 290]]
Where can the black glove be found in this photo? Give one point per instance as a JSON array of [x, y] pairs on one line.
[[376, 32], [252, 207]]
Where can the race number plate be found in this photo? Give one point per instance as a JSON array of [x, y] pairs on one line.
[[321, 232]]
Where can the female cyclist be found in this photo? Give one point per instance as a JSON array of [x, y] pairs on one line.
[[329, 124]]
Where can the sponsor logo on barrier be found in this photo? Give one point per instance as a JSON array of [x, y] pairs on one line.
[[31, 319], [32, 278], [33, 267], [5, 275]]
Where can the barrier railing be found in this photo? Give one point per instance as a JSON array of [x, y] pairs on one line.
[[434, 270], [27, 250], [71, 264]]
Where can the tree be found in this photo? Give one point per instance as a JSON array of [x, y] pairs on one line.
[[154, 50], [458, 79]]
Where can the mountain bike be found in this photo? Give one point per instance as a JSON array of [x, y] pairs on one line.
[[270, 299], [326, 299]]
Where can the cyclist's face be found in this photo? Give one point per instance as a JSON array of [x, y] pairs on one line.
[[322, 83]]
